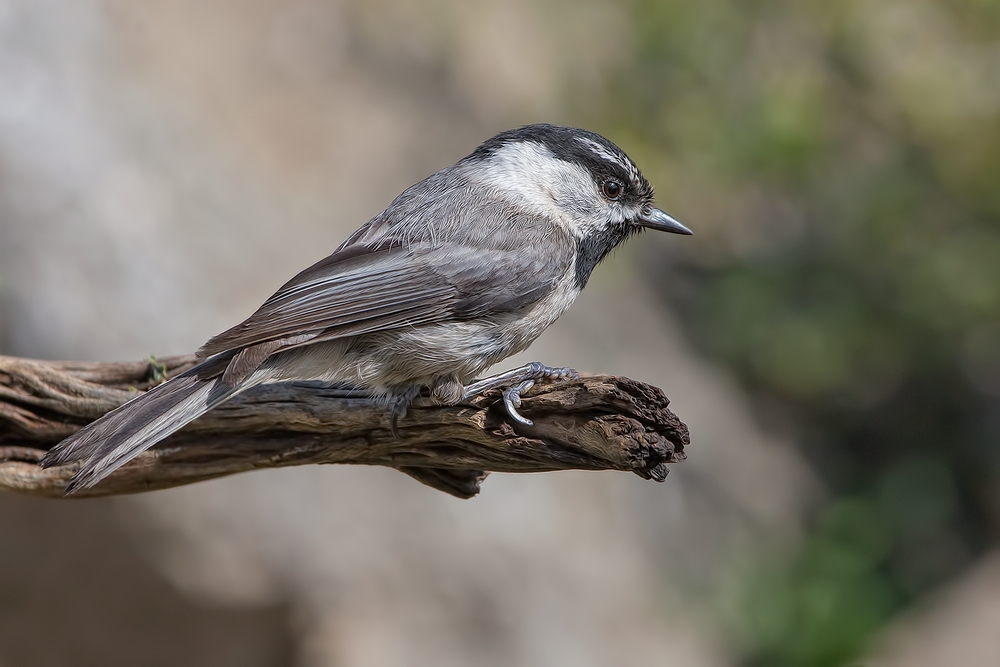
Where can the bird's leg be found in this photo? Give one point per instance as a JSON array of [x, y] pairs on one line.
[[402, 396], [516, 382]]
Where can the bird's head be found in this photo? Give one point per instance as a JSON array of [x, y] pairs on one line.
[[573, 176]]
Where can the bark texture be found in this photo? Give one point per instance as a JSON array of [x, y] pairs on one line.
[[595, 423]]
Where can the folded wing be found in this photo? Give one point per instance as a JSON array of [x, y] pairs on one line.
[[362, 290]]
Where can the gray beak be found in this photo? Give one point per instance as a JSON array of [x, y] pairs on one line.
[[654, 218]]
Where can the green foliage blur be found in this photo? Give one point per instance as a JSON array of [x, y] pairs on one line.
[[840, 165]]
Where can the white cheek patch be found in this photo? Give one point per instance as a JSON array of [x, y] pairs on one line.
[[545, 185]]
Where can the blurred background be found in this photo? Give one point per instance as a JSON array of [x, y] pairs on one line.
[[831, 334]]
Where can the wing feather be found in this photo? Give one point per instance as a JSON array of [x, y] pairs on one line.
[[361, 290]]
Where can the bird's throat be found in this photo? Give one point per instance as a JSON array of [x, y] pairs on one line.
[[593, 248]]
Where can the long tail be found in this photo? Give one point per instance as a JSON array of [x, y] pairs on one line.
[[122, 434]]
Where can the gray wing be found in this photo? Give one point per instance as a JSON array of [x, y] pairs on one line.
[[363, 289]]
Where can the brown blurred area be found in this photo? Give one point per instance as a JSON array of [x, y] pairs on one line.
[[74, 592], [164, 166]]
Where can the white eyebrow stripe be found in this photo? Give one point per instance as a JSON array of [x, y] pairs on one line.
[[602, 152]]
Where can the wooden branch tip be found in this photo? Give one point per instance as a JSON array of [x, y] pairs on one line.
[[594, 423]]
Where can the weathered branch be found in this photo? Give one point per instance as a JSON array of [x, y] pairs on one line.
[[596, 423]]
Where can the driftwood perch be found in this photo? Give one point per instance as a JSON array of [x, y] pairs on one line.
[[595, 423]]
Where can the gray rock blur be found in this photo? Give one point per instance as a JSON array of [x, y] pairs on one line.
[[165, 166], [956, 626]]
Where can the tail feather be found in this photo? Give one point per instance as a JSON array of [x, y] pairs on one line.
[[119, 436]]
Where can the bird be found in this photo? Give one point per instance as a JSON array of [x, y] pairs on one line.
[[460, 271]]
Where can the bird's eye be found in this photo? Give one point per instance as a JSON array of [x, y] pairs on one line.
[[612, 189]]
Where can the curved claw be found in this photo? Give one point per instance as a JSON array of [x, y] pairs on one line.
[[398, 412], [525, 378], [512, 401], [400, 405]]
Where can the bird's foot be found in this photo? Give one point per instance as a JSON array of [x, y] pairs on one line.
[[401, 400], [516, 382]]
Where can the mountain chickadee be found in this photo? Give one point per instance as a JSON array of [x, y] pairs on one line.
[[462, 270]]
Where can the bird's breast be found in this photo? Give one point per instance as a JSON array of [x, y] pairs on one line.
[[524, 328]]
